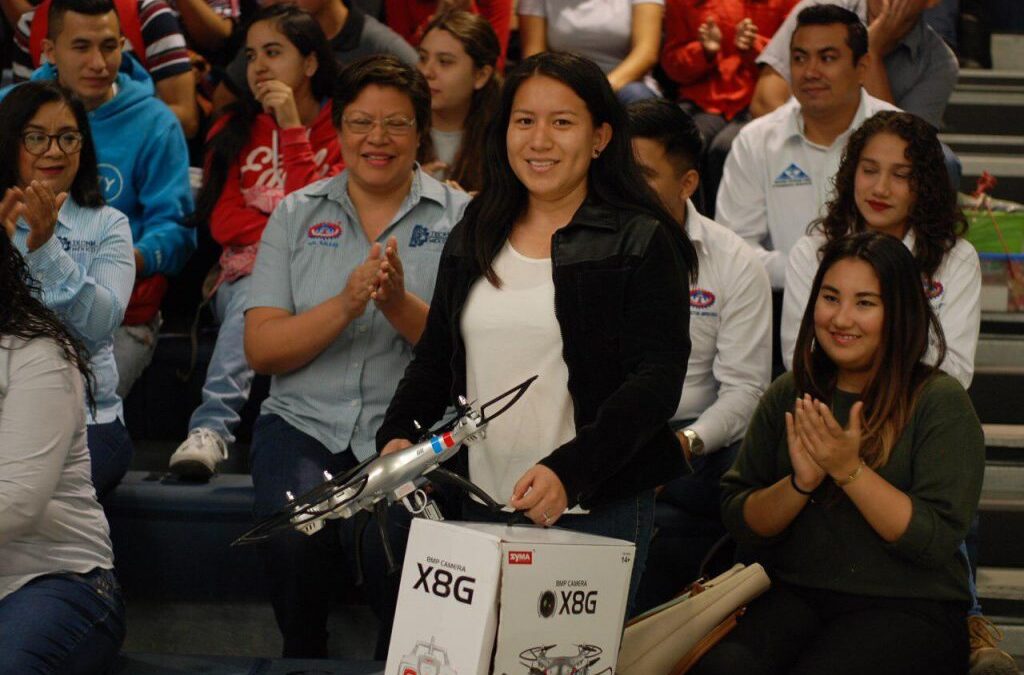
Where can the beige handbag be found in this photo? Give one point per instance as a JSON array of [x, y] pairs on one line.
[[670, 638]]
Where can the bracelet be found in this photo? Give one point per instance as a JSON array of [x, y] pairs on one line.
[[843, 482], [792, 481]]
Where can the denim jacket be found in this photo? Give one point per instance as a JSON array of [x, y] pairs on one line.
[[622, 303]]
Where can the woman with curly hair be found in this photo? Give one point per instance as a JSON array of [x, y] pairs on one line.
[[60, 605], [892, 179], [859, 475]]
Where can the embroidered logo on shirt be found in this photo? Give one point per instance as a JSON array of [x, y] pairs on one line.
[[701, 299], [934, 289], [792, 176], [324, 231], [422, 235], [77, 245]]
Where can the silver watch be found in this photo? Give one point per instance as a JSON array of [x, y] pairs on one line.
[[696, 442]]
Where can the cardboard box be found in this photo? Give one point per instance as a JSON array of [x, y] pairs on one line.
[[550, 600]]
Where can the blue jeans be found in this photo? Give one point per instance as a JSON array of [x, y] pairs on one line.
[[62, 623], [631, 519], [228, 377], [635, 91], [110, 453], [304, 570]]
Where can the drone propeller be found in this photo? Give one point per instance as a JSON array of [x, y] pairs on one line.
[[515, 392], [311, 506]]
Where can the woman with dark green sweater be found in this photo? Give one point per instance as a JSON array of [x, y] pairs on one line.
[[859, 475]]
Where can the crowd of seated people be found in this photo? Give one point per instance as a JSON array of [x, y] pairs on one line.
[[413, 200]]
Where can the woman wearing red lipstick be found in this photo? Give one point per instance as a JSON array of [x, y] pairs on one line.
[[892, 180], [856, 497], [458, 56], [270, 144]]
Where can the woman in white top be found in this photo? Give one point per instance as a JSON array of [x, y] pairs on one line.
[[621, 36], [458, 57], [60, 605], [892, 179]]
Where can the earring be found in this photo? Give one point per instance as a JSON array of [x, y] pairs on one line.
[[597, 153]]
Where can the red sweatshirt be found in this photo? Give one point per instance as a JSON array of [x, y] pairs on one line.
[[725, 84], [274, 163], [409, 18]]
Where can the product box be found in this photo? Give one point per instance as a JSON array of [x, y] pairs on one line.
[[535, 600]]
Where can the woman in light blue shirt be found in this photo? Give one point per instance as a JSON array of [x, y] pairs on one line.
[[78, 249]]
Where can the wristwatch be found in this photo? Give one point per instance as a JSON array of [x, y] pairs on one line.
[[695, 441]]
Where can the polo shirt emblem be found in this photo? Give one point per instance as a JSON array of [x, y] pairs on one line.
[[422, 235], [792, 176], [933, 289], [77, 245], [701, 299], [324, 231]]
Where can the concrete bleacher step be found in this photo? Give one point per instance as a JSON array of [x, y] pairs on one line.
[[997, 154]]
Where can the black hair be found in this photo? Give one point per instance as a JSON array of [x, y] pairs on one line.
[[908, 320], [23, 315], [58, 8], [305, 34], [827, 15], [671, 126], [17, 110], [614, 179], [383, 71]]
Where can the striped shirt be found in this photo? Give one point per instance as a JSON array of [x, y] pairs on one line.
[[310, 246], [166, 54], [86, 271]]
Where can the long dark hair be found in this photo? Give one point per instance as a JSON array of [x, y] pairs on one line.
[[18, 109], [481, 44], [23, 315], [614, 177], [935, 219], [908, 321], [305, 34]]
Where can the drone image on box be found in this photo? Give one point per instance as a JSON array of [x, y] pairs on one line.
[[375, 484], [426, 658], [537, 660]]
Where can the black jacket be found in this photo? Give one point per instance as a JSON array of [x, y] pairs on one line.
[[622, 302]]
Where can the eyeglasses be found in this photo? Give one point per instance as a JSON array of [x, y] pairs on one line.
[[37, 143], [397, 125]]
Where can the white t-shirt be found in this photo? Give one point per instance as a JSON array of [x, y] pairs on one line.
[[776, 182], [955, 296], [730, 330], [601, 30], [510, 335]]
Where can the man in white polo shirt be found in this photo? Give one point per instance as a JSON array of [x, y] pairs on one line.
[[729, 365], [779, 172]]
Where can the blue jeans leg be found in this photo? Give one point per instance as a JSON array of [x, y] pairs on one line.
[[64, 624], [110, 453], [228, 377], [301, 570], [635, 91]]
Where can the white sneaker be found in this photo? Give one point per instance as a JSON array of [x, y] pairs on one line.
[[197, 457]]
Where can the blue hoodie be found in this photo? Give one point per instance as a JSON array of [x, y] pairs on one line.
[[143, 164]]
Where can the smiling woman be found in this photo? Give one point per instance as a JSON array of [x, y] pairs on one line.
[[856, 497], [892, 179], [79, 249], [566, 266]]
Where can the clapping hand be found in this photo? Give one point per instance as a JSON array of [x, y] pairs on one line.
[[710, 36], [38, 206], [362, 282], [746, 31], [834, 449], [806, 472], [390, 285]]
